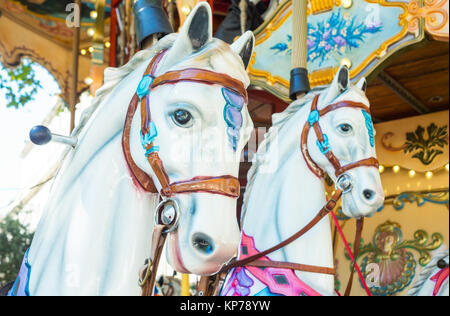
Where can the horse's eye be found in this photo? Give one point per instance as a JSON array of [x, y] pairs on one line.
[[345, 128], [182, 118]]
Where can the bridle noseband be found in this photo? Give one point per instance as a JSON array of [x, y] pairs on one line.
[[168, 211]]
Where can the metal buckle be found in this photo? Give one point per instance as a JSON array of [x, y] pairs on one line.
[[344, 183], [168, 214], [148, 267]]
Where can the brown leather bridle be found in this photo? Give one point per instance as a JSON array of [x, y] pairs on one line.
[[313, 122], [226, 185], [340, 171]]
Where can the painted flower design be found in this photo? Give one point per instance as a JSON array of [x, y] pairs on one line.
[[338, 34], [240, 283]]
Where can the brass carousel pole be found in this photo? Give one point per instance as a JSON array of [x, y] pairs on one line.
[[75, 50], [299, 85]]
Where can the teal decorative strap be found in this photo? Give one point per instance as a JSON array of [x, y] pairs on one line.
[[151, 150], [313, 117], [143, 88], [324, 146], [369, 125], [148, 138]]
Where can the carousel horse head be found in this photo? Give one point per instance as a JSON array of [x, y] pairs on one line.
[[342, 144], [188, 136]]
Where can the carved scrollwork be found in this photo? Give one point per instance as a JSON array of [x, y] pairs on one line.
[[435, 15], [393, 257]]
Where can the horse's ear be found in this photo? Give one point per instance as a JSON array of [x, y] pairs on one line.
[[362, 84], [244, 46], [195, 33], [340, 83], [343, 78]]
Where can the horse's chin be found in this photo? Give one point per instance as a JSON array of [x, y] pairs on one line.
[[174, 254]]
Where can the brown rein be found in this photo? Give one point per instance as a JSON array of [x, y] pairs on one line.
[[331, 204]]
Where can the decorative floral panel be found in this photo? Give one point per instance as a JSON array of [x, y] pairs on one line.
[[363, 36]]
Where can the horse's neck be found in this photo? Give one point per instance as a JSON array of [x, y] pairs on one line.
[[284, 201], [98, 232]]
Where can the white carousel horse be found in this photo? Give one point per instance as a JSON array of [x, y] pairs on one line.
[[433, 279], [96, 229], [285, 190]]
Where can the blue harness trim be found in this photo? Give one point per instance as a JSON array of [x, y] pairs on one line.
[[143, 88], [151, 150], [14, 289], [149, 138], [313, 117], [324, 146], [369, 125]]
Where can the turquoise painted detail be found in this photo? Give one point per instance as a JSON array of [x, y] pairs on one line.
[[16, 283], [266, 292], [324, 146], [369, 125], [148, 138], [420, 199], [151, 150], [143, 88], [313, 117]]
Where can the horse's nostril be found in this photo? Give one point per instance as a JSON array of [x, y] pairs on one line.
[[368, 194], [202, 243]]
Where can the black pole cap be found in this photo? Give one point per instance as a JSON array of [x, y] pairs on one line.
[[150, 19], [299, 82]]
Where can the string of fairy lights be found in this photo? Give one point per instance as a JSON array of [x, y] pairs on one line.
[[411, 172], [396, 169], [84, 51]]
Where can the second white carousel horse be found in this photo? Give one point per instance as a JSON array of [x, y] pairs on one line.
[[329, 130]]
